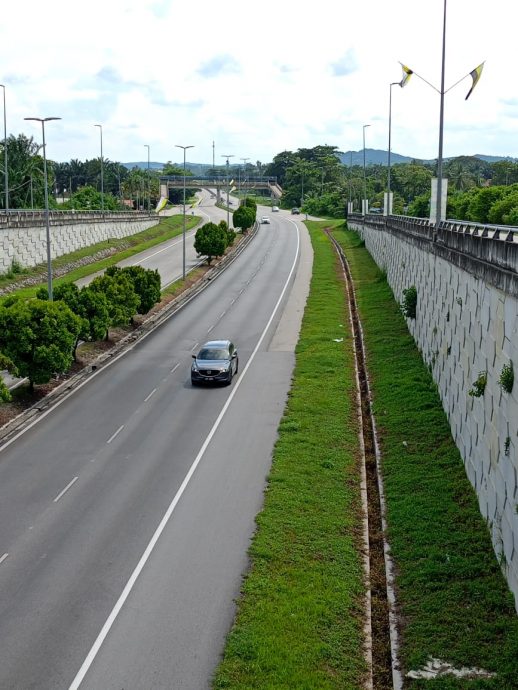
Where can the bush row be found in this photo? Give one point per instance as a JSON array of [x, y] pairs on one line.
[[39, 339]]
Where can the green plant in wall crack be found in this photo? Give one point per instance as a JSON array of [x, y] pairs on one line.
[[506, 379], [409, 303], [479, 386]]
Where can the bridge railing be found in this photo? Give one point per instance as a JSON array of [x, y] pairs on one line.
[[23, 219], [494, 244]]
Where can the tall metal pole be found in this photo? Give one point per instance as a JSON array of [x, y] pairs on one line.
[[389, 206], [102, 166], [364, 204], [441, 128], [45, 186], [6, 173], [148, 182], [228, 187], [183, 234], [244, 171]]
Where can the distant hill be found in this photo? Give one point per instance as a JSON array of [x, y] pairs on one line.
[[380, 157]]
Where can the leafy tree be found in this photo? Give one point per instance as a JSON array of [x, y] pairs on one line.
[[90, 306], [210, 241], [146, 284], [420, 206], [26, 186], [93, 309], [122, 300], [243, 217], [6, 365], [248, 202], [38, 337], [229, 232], [88, 198], [502, 211], [481, 203]]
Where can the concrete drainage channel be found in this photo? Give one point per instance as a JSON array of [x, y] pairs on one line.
[[381, 627]]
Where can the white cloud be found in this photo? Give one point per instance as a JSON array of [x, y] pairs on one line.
[[257, 79]]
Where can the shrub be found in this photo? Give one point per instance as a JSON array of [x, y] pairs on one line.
[[506, 379], [479, 386], [409, 304]]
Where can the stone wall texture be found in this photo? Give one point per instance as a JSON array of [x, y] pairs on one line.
[[466, 325], [26, 243]]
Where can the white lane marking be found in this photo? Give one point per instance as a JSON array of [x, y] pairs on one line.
[[210, 329], [159, 251], [175, 368], [152, 393], [2, 558], [163, 523], [115, 434], [222, 314], [194, 346], [67, 487]]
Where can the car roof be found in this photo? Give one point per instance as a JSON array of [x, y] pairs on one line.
[[216, 344]]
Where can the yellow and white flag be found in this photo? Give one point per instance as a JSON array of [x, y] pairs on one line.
[[407, 73], [475, 75]]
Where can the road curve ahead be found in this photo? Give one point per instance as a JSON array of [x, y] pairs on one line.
[[126, 512]]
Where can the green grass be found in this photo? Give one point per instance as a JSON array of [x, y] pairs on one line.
[[301, 613], [167, 228], [453, 600]]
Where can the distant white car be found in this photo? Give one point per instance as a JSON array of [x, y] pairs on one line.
[[275, 209], [265, 220]]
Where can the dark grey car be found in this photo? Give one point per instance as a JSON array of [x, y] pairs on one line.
[[216, 362]]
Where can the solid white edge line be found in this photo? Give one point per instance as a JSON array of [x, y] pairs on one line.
[[53, 406], [67, 487], [145, 556], [115, 434], [152, 393], [2, 558]]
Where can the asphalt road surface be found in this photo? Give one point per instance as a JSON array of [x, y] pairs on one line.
[[126, 512]]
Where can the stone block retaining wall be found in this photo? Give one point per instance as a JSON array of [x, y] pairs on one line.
[[26, 243], [466, 324]]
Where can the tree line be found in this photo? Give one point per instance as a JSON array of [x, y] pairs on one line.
[[316, 179], [39, 338]]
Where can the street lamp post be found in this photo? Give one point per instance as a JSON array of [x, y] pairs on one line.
[[6, 173], [364, 204], [45, 186], [389, 205], [102, 166], [183, 253], [244, 172], [148, 182], [228, 188], [441, 128]]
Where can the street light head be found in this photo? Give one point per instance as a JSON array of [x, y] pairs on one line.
[[42, 119], [179, 146]]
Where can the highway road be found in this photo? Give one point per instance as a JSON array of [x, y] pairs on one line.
[[167, 257], [127, 510]]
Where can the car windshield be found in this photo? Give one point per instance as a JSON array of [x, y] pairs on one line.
[[213, 353]]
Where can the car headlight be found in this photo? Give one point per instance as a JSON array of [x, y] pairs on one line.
[[194, 367]]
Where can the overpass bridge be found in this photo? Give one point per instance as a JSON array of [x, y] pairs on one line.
[[220, 184]]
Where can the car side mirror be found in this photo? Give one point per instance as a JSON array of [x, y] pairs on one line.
[[234, 354], [194, 356]]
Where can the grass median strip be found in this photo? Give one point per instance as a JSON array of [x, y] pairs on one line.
[[454, 603], [168, 228], [300, 618]]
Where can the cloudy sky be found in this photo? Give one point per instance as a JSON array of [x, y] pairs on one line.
[[257, 78]]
